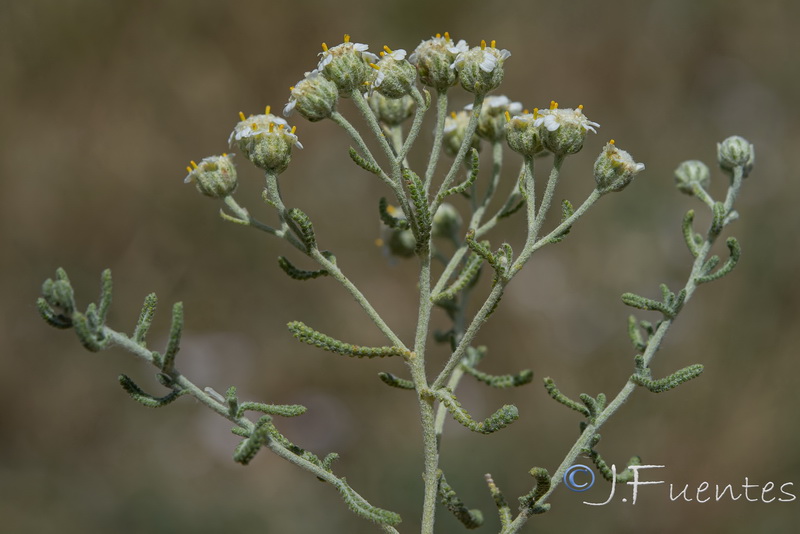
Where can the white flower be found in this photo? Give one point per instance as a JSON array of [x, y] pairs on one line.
[[554, 118], [289, 107], [346, 47], [487, 57], [267, 124]]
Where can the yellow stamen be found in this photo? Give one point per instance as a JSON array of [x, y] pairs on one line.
[[453, 114], [493, 43], [241, 116], [266, 110], [535, 113], [525, 112], [379, 242], [391, 210], [483, 45], [580, 106], [224, 154], [346, 38], [324, 47], [281, 127], [611, 142], [553, 104], [294, 129], [193, 164], [382, 53], [388, 50], [254, 126], [439, 35], [508, 116], [374, 66], [291, 87], [447, 36], [271, 127], [189, 169]]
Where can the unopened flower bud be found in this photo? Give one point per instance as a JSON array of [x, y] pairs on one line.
[[314, 97], [214, 176], [455, 128], [391, 111], [480, 69], [266, 140], [523, 135], [614, 169], [564, 129], [446, 221], [690, 174], [347, 65], [434, 58], [735, 152], [394, 76], [492, 120], [401, 243]]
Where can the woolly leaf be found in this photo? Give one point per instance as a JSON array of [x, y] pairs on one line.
[[462, 187], [362, 508], [363, 163], [174, 344], [733, 259], [145, 318], [672, 381], [317, 339], [542, 486], [551, 388], [249, 447], [145, 399], [283, 410], [396, 382], [497, 421], [503, 509], [500, 381], [307, 234], [299, 274], [471, 519]]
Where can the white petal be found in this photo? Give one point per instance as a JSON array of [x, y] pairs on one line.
[[489, 62], [287, 111], [504, 54], [399, 55], [360, 47], [370, 57], [188, 178]]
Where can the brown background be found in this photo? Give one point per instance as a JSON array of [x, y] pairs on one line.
[[102, 104]]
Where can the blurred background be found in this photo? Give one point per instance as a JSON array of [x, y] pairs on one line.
[[103, 104]]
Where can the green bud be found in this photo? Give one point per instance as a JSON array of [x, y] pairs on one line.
[[614, 169], [492, 120], [691, 173], [394, 76], [480, 69], [455, 128], [434, 59], [314, 97], [735, 152], [564, 130], [391, 111], [401, 243], [215, 176], [523, 135], [266, 141], [446, 221], [347, 65]]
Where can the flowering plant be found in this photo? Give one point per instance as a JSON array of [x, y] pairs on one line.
[[385, 92]]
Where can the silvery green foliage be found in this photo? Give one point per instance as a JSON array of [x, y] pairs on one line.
[[418, 221]]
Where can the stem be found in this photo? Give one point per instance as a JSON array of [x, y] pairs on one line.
[[436, 150], [653, 345]]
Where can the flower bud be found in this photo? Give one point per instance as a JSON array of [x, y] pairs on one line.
[[314, 97], [614, 169], [455, 128], [391, 111], [215, 176], [446, 221], [735, 152], [266, 141], [480, 69], [434, 58], [492, 120], [690, 174], [394, 76], [346, 65], [564, 129], [523, 135], [401, 243]]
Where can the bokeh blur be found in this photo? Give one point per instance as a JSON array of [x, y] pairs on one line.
[[102, 104]]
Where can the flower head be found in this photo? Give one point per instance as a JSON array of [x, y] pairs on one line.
[[491, 121], [614, 169], [691, 174], [314, 97], [523, 133], [266, 140], [394, 75], [391, 111], [564, 130], [736, 151], [480, 69], [346, 65], [214, 176], [455, 129], [434, 58]]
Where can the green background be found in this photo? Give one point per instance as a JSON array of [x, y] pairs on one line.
[[102, 104]]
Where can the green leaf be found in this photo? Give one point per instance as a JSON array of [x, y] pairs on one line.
[[551, 388], [471, 519], [362, 508], [283, 410], [318, 339], [249, 447], [542, 486], [174, 344], [145, 399], [497, 421], [503, 509], [388, 219], [733, 260], [672, 381], [396, 382], [307, 234], [299, 274], [363, 163], [462, 187], [145, 318], [691, 238], [500, 381]]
